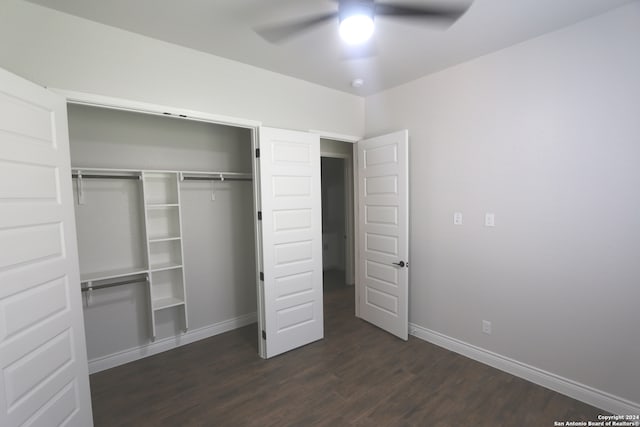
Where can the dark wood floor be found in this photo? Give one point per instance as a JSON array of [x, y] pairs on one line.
[[357, 376]]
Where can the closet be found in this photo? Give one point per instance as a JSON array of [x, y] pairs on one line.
[[177, 221], [164, 212]]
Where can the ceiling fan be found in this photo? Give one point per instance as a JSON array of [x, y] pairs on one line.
[[356, 19]]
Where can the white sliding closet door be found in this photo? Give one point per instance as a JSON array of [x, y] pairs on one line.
[[291, 239], [44, 378]]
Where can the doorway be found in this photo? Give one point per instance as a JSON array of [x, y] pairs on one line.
[[337, 214], [145, 221]]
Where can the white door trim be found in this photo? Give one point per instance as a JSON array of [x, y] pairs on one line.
[[124, 104], [351, 193], [336, 136], [156, 109], [356, 232]]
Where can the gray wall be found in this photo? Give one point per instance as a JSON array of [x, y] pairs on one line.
[[545, 134], [101, 137], [218, 240]]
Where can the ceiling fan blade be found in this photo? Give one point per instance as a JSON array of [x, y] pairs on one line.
[[280, 32], [448, 13]]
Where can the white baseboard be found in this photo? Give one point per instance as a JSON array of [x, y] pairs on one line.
[[573, 389], [116, 359]]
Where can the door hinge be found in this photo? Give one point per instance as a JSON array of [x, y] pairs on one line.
[[257, 152], [262, 276], [259, 215], [264, 335]]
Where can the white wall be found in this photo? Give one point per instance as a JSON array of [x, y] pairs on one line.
[[545, 134], [65, 52]]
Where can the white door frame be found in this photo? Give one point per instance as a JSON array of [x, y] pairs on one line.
[[353, 189], [124, 104], [356, 231]]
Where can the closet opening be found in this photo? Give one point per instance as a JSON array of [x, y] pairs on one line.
[[337, 214], [165, 220]]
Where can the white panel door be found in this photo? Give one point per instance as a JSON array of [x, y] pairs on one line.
[[44, 378], [383, 232], [291, 239]]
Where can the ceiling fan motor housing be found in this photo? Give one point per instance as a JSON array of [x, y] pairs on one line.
[[347, 8]]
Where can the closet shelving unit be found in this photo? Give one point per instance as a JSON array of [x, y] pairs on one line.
[[93, 280], [161, 196], [164, 270]]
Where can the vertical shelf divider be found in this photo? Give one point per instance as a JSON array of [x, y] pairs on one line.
[[163, 226], [152, 317], [178, 178]]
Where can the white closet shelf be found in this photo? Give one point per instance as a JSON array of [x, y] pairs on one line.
[[107, 171], [162, 239], [162, 171], [166, 302], [219, 174], [161, 205], [165, 266], [112, 274]]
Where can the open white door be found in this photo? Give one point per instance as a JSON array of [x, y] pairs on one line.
[[291, 239], [44, 379], [383, 232]]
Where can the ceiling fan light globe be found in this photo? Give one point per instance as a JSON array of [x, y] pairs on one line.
[[356, 29]]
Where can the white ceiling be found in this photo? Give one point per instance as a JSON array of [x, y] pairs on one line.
[[404, 50]]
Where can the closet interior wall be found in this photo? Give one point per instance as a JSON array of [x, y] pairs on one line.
[[217, 223], [333, 213]]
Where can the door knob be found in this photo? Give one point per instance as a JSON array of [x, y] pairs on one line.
[[399, 264]]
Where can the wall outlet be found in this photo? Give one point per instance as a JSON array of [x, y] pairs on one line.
[[489, 219], [457, 218], [486, 327]]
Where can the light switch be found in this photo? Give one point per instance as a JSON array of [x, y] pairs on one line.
[[457, 218], [489, 220]]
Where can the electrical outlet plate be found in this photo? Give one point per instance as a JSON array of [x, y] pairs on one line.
[[486, 327], [457, 218], [489, 219]]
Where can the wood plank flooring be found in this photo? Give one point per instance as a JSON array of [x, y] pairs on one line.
[[357, 376]]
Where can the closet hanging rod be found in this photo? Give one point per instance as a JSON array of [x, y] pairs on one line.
[[216, 178], [85, 176], [111, 285]]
